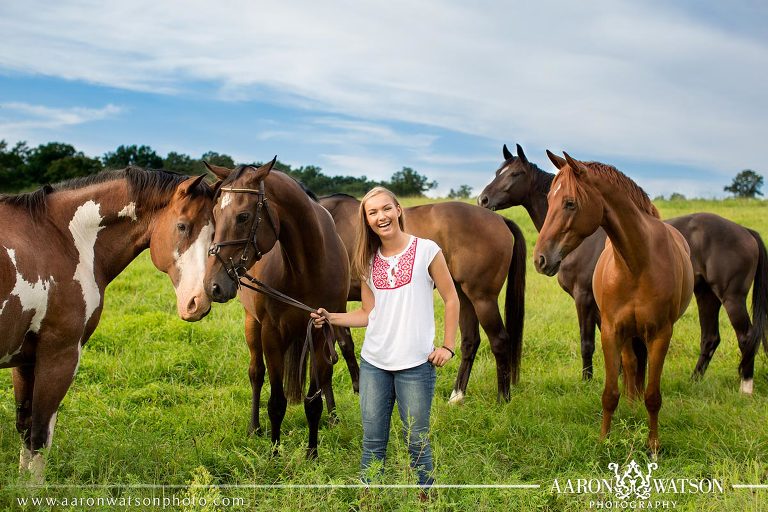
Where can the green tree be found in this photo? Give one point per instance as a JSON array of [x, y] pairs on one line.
[[216, 159], [41, 157], [464, 192], [12, 167], [184, 164], [72, 167], [410, 183], [746, 184], [123, 156]]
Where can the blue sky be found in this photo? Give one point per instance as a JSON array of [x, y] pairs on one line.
[[671, 93]]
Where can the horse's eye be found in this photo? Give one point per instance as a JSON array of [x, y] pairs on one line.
[[570, 204], [181, 227], [243, 217]]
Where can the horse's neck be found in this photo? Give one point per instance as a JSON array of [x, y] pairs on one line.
[[627, 227], [102, 223], [300, 233], [536, 202]]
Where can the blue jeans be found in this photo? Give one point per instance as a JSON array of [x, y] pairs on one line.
[[413, 389]]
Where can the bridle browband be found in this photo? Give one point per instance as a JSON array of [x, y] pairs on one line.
[[238, 271]]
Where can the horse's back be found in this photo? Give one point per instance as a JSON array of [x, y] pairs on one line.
[[721, 250], [476, 242]]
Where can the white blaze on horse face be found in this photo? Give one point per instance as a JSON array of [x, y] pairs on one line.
[[31, 295], [226, 200], [554, 192], [191, 267], [129, 211], [85, 227], [505, 169]]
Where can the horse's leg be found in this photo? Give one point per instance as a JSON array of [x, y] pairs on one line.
[[657, 351], [347, 346], [629, 363], [610, 398], [588, 314], [487, 310], [709, 312], [320, 371], [23, 385], [256, 369], [736, 307], [470, 341], [54, 372], [273, 352]]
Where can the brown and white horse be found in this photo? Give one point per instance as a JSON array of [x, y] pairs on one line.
[[643, 280], [59, 249], [267, 226]]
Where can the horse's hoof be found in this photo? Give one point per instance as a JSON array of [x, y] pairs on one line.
[[312, 453], [333, 420], [747, 386], [255, 431], [457, 397]]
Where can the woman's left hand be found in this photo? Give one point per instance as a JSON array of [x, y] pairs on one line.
[[440, 356]]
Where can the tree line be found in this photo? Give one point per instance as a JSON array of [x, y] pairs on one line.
[[24, 168]]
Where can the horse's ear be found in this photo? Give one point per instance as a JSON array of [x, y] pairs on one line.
[[220, 172], [506, 153], [576, 166], [521, 154], [188, 186], [263, 171], [557, 160]]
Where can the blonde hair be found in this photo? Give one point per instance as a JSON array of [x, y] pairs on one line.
[[367, 242]]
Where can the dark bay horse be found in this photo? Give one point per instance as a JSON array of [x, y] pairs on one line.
[[727, 260], [59, 249], [643, 280], [482, 250], [266, 224]]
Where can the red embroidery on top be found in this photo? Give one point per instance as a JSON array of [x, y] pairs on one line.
[[385, 277]]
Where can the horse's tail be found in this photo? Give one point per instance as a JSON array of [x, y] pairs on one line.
[[760, 295], [294, 372], [514, 305]]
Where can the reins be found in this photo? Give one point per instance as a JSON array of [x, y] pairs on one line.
[[238, 272]]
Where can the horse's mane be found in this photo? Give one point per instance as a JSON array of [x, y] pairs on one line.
[[611, 174], [542, 180], [150, 187]]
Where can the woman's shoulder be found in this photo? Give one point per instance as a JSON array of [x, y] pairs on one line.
[[427, 245]]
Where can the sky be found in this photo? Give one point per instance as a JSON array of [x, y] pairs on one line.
[[674, 94]]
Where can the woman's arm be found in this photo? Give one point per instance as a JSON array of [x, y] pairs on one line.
[[357, 318], [438, 269]]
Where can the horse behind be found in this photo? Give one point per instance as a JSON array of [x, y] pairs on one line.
[[482, 250], [59, 249], [269, 228], [728, 259], [643, 280]]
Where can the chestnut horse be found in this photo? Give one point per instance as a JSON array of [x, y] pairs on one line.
[[643, 280], [727, 260], [482, 249], [268, 226], [59, 249]]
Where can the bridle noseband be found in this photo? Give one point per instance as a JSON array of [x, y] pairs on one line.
[[235, 270]]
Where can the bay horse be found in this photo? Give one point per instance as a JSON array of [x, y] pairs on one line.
[[728, 259], [268, 226], [482, 250], [59, 249], [643, 280]]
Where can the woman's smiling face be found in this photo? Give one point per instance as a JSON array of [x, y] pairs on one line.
[[382, 214]]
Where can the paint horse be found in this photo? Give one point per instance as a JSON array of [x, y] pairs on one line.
[[59, 249], [643, 280], [728, 259], [482, 250], [267, 226]]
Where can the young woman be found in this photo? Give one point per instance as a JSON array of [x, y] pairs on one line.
[[398, 272]]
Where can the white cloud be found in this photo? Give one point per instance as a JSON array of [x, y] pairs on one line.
[[18, 120], [613, 78]]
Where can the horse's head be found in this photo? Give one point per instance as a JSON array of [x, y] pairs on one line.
[[512, 184], [247, 227], [179, 245], [574, 214]]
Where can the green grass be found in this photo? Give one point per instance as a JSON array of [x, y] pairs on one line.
[[160, 401]]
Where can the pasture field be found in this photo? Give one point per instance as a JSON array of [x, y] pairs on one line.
[[160, 407]]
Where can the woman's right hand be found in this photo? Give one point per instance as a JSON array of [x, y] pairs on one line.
[[320, 317]]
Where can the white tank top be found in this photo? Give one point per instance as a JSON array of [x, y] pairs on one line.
[[401, 326]]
